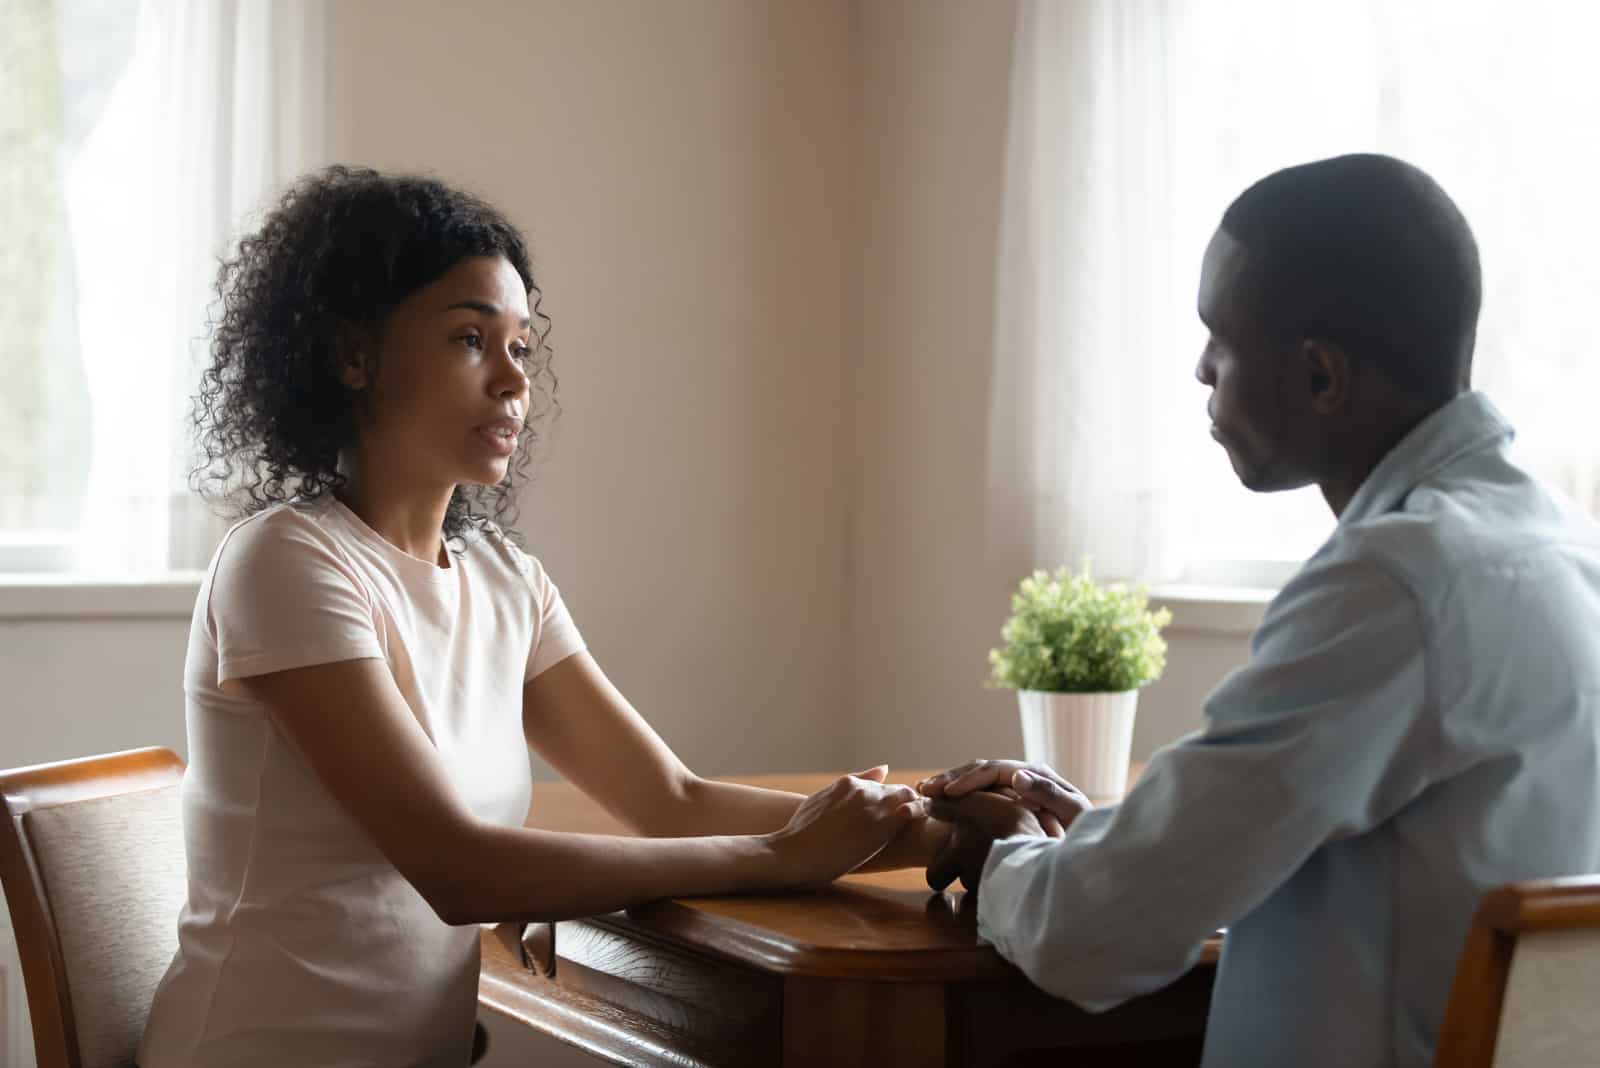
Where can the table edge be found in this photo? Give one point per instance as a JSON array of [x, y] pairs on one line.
[[741, 943], [746, 944]]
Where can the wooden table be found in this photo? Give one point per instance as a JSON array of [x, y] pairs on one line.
[[875, 970]]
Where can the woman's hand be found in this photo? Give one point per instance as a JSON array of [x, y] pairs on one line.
[[915, 846], [842, 826], [1054, 800]]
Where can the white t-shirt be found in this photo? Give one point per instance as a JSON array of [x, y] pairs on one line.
[[300, 944]]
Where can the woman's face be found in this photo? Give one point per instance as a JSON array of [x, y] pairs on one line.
[[445, 398]]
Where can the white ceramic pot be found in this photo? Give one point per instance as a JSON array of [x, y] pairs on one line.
[[1087, 737]]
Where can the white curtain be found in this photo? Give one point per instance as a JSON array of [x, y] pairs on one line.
[[1134, 123], [1080, 390], [218, 105]]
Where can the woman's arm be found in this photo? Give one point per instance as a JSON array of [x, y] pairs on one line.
[[588, 731], [581, 724], [356, 732]]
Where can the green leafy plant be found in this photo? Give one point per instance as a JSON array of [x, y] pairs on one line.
[[1070, 634]]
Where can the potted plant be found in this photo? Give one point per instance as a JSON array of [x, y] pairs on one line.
[[1077, 652]]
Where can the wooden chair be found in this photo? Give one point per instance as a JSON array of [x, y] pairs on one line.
[[1525, 988], [91, 859]]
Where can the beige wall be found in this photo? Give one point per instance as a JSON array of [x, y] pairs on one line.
[[684, 172], [927, 594], [927, 602]]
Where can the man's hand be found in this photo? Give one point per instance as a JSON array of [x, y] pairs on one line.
[[980, 818], [1054, 800]]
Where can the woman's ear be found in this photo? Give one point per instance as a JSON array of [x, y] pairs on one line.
[[352, 356], [1327, 368]]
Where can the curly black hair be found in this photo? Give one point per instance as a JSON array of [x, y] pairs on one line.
[[339, 250]]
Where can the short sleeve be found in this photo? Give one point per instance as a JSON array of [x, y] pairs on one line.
[[283, 595], [556, 636]]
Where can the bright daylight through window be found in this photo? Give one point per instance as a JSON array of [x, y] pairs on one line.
[[52, 101], [134, 138], [104, 295], [1501, 103]]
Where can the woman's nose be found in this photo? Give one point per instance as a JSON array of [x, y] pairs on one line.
[[513, 377]]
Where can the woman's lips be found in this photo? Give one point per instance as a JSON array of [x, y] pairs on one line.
[[499, 438]]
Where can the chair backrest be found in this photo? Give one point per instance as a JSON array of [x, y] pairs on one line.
[[1524, 991], [91, 858]]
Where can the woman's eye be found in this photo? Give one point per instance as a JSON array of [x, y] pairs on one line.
[[471, 341], [522, 353]]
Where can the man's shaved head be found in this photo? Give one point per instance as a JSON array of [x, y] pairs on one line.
[[1367, 252]]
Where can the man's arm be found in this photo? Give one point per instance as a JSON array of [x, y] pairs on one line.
[[1305, 744]]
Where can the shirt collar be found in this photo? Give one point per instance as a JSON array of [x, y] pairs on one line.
[[1465, 425]]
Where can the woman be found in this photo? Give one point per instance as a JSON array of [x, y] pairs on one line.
[[370, 653]]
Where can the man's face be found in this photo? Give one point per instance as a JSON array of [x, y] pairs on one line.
[[1254, 411]]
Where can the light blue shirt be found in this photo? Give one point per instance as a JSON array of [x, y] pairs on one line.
[[1419, 721]]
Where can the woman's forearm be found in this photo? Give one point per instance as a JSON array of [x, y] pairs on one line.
[[485, 872], [516, 873], [711, 807], [730, 808]]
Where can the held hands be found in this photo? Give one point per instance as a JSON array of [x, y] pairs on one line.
[[988, 800], [849, 823], [842, 826], [1039, 789]]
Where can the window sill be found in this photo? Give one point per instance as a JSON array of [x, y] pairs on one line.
[[72, 597], [1199, 609], [1194, 608]]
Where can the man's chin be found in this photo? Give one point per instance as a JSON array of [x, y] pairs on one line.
[[1270, 475], [1258, 485], [1243, 470], [1270, 480], [1255, 477]]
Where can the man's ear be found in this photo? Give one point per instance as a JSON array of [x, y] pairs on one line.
[[352, 356], [1327, 369]]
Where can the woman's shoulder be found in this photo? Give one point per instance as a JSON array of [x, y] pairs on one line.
[[501, 550], [284, 592], [291, 536]]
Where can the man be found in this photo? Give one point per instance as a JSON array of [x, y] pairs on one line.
[[1419, 719]]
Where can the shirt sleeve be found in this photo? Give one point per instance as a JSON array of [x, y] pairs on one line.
[[1319, 736], [284, 596], [556, 636]]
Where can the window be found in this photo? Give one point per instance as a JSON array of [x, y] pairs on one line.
[[132, 138], [58, 79], [1501, 104], [1134, 123]]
